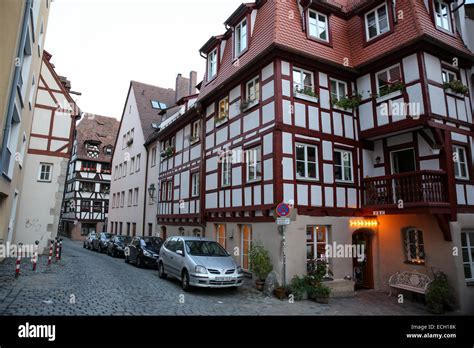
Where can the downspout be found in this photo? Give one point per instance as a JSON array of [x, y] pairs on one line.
[[11, 100], [202, 170], [459, 6], [145, 191]]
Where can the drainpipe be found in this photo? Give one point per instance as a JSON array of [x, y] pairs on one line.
[[145, 191], [16, 77]]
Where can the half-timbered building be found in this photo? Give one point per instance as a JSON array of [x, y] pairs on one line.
[[87, 190], [49, 148], [356, 113]]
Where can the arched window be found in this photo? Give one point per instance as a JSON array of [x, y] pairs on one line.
[[414, 245]]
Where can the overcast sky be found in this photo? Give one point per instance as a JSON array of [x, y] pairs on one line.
[[100, 45]]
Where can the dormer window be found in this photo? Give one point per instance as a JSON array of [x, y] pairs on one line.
[[376, 22], [212, 65], [318, 26], [108, 150], [442, 15], [92, 150], [240, 38], [158, 105]]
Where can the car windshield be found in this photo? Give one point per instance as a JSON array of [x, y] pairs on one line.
[[124, 239], [108, 235], [152, 243], [204, 248]]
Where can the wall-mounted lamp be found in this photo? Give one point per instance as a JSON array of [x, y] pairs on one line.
[[152, 191], [378, 160], [364, 223]]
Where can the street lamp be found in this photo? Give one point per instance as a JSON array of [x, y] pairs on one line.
[[151, 191]]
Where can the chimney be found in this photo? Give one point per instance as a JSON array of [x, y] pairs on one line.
[[192, 82], [182, 87]]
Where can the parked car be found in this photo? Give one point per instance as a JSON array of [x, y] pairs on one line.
[[198, 262], [100, 243], [88, 241], [143, 251], [117, 244]]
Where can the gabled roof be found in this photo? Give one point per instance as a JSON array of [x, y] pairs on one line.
[[96, 129], [273, 28], [144, 95]]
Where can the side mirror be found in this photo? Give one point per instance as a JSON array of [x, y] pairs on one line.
[[179, 252]]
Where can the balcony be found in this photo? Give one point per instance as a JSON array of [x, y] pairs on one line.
[[424, 188]]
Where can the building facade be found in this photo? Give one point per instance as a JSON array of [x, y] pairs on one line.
[[23, 31], [144, 109], [358, 114], [87, 191], [49, 150]]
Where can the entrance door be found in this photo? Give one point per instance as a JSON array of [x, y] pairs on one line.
[[362, 266], [403, 161]]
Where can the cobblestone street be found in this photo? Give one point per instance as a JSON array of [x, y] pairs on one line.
[[102, 285]]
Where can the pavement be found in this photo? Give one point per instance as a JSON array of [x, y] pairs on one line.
[[87, 283]]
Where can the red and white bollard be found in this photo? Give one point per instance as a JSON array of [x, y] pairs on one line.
[[18, 261], [57, 249], [50, 253], [35, 256]]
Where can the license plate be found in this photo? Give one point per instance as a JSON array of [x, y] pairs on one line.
[[224, 279]]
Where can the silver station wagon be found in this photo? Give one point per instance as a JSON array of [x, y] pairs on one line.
[[198, 262]]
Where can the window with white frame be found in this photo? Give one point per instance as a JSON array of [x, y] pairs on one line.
[[467, 243], [122, 203], [195, 130], [376, 22], [252, 90], [460, 163], [240, 38], [137, 162], [153, 156], [338, 89], [306, 161], [132, 165], [448, 76], [125, 168], [414, 246], [45, 172], [442, 15], [163, 191], [135, 196], [195, 185], [212, 64], [318, 25], [254, 163], [387, 79], [223, 111], [226, 169], [130, 197], [343, 165], [303, 81], [316, 241], [169, 190]]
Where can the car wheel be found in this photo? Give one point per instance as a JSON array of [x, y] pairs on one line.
[[139, 262], [126, 259], [185, 281], [161, 271]]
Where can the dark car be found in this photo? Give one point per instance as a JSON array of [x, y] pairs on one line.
[[100, 243], [117, 244], [88, 241], [143, 251]]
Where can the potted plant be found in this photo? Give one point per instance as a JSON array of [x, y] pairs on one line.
[[391, 87], [260, 264], [457, 87], [439, 296], [320, 293], [193, 139], [299, 287], [436, 149], [280, 292], [348, 102], [306, 91]]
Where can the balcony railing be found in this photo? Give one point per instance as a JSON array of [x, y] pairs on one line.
[[422, 187]]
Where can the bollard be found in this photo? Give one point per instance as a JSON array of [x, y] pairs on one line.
[[35, 256], [18, 261], [60, 247], [50, 252], [57, 249]]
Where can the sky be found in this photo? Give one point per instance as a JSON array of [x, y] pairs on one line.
[[101, 45]]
